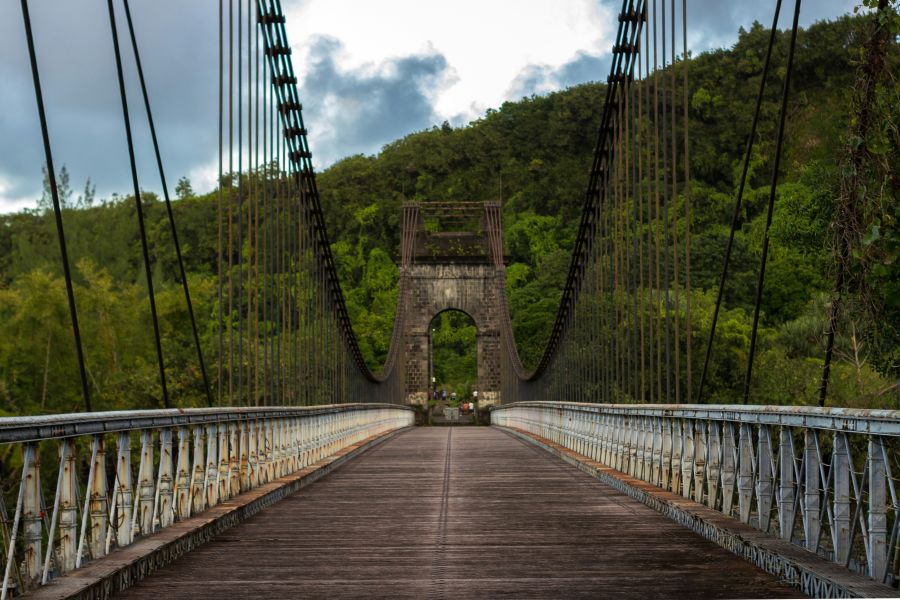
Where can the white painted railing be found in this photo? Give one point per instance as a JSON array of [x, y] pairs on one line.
[[825, 479], [187, 461]]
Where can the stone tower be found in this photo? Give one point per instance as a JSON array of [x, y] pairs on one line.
[[451, 259]]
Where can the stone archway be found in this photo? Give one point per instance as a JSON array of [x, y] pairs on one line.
[[450, 270]]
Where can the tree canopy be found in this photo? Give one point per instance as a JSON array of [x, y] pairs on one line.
[[534, 156]]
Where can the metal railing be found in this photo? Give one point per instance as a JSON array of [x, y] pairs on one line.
[[187, 461], [825, 479]]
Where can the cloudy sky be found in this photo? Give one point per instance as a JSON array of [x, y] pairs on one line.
[[370, 71]]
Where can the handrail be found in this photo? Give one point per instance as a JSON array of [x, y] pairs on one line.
[[43, 427], [825, 479], [850, 420], [188, 460]]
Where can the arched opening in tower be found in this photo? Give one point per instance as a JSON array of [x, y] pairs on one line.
[[453, 364]]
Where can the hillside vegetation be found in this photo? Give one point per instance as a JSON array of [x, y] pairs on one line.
[[534, 155]]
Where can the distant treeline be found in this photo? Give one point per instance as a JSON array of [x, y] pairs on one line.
[[534, 155]]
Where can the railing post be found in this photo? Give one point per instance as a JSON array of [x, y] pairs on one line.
[[687, 456], [271, 449], [786, 487], [593, 436], [32, 524], [293, 439], [317, 437], [700, 464], [68, 509], [602, 431], [677, 449], [339, 429], [99, 506], [811, 498], [223, 472], [304, 442], [877, 509], [262, 450], [211, 477], [124, 490], [585, 433], [619, 434], [656, 456], [281, 441], [333, 420], [145, 485], [86, 511], [616, 423], [164, 514], [840, 475], [714, 460], [276, 448], [646, 447], [666, 453], [253, 454], [573, 429], [637, 447], [334, 424], [729, 468], [183, 478], [745, 472], [575, 437], [234, 461], [765, 489], [628, 450], [607, 440], [199, 472]]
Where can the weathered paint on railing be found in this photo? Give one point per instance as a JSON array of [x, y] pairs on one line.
[[822, 478], [187, 461]]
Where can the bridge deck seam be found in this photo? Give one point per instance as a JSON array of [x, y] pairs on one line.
[[439, 560]]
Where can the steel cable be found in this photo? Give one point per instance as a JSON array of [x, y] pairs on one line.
[[736, 217], [785, 92], [171, 216], [139, 206], [57, 211], [219, 214]]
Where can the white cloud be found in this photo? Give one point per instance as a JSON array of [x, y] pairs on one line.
[[397, 66], [203, 177], [486, 43], [9, 201]]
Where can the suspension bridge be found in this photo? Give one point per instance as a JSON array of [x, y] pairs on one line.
[[605, 471]]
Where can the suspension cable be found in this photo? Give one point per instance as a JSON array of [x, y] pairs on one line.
[[165, 187], [785, 92], [219, 210], [689, 332], [57, 211], [240, 204], [140, 210], [736, 217], [229, 251]]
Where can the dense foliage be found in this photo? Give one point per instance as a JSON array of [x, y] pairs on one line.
[[534, 155]]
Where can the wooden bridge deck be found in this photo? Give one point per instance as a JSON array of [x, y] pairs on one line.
[[458, 512]]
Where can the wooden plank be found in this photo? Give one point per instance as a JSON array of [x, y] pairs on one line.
[[458, 512]]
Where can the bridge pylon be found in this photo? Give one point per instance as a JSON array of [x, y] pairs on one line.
[[449, 260]]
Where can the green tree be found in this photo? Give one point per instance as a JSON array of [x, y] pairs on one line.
[[183, 189]]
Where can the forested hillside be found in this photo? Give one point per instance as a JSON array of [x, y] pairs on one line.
[[534, 156]]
